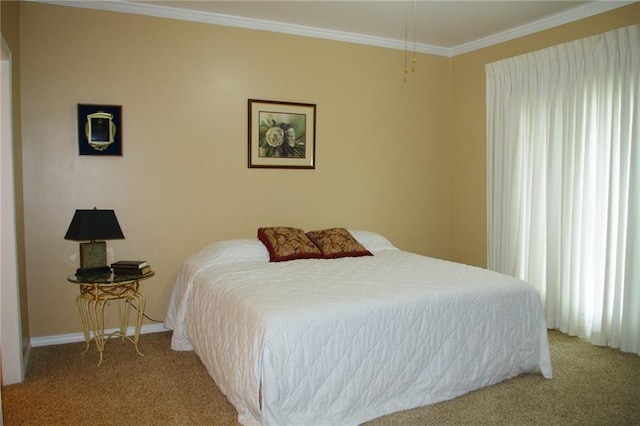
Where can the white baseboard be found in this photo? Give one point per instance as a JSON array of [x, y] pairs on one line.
[[61, 339]]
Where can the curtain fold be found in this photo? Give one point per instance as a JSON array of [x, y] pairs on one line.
[[563, 182]]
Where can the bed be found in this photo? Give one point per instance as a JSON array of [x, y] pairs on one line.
[[345, 337]]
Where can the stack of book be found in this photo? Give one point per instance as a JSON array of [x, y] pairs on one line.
[[131, 267]]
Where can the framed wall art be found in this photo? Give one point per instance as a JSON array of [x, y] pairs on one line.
[[282, 135], [99, 129]]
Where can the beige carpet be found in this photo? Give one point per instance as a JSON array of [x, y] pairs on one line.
[[592, 386]]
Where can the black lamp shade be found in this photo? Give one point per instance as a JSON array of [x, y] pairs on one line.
[[94, 224]]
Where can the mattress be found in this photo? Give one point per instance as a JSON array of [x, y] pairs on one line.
[[343, 341]]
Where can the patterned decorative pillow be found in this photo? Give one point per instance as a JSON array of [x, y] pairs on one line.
[[288, 244], [337, 242]]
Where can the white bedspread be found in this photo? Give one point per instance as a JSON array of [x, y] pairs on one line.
[[347, 340]]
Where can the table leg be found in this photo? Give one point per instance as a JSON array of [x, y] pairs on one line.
[[95, 310], [123, 310], [139, 300], [82, 313]]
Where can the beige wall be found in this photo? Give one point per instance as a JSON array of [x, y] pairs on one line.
[[403, 159], [468, 133], [183, 180]]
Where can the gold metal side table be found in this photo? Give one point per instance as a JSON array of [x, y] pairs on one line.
[[97, 291]]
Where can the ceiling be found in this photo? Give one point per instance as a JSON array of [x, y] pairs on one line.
[[441, 27]]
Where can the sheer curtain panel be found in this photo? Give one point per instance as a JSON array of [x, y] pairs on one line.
[[563, 182]]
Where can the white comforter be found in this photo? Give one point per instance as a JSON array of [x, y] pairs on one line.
[[346, 340]]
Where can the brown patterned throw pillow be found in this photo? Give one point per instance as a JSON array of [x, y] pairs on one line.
[[337, 242], [287, 244]]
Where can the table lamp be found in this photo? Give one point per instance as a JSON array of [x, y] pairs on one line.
[[92, 225]]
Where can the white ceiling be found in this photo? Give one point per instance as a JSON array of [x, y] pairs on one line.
[[441, 27]]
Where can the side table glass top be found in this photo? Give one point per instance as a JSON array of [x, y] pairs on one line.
[[107, 279]]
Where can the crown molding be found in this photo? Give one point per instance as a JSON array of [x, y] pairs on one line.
[[580, 12], [590, 9], [242, 22]]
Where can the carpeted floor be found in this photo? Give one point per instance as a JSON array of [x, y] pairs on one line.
[[591, 386]]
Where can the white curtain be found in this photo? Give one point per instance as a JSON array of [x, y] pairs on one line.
[[563, 176]]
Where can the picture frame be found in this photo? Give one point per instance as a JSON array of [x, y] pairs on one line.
[[99, 129], [282, 135]]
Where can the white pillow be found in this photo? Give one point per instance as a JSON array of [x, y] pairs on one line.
[[230, 251], [372, 241]]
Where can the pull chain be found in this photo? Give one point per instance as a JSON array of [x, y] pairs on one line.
[[406, 36], [413, 66], [414, 60]]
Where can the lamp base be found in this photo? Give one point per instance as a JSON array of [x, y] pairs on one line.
[[93, 259], [83, 272], [93, 255]]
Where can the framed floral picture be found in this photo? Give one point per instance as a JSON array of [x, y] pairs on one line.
[[282, 135]]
